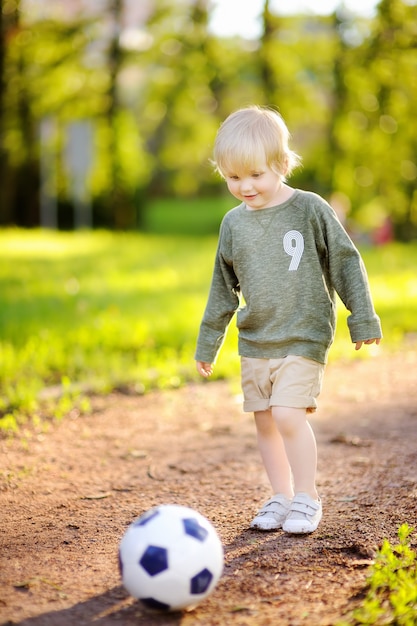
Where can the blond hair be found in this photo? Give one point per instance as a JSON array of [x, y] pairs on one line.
[[250, 137]]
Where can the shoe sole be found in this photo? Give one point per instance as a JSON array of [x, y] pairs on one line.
[[300, 530]]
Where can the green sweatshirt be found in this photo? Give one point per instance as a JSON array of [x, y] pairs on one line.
[[280, 269]]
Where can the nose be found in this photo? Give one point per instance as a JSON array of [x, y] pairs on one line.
[[245, 185]]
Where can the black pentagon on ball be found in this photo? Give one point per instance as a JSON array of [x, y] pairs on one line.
[[146, 517], [201, 582], [155, 604], [194, 529], [154, 560]]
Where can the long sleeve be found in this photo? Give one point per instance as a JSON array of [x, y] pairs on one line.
[[348, 276], [222, 303]]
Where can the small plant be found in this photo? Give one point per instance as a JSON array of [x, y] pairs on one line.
[[391, 596]]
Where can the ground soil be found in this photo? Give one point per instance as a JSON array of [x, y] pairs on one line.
[[68, 494]]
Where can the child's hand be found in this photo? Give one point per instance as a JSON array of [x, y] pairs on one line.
[[359, 344], [205, 369]]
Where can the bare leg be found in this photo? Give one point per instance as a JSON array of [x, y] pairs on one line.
[[273, 454], [300, 447]]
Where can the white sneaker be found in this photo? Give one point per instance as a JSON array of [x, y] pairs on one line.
[[273, 513], [304, 515]]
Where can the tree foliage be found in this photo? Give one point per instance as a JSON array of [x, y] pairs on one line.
[[156, 89]]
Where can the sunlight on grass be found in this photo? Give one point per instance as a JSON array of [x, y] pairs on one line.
[[23, 244], [98, 309], [93, 311]]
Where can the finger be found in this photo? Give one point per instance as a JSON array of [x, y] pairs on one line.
[[204, 369]]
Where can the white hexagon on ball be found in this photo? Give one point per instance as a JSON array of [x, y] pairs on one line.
[[171, 558]]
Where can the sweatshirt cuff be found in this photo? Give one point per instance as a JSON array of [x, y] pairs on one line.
[[361, 331]]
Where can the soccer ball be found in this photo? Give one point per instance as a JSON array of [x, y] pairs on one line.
[[170, 558]]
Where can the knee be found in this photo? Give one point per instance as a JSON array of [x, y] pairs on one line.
[[288, 420]]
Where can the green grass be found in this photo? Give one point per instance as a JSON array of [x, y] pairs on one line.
[[94, 311], [391, 586]]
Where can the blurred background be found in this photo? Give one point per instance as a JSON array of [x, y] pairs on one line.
[[109, 108]]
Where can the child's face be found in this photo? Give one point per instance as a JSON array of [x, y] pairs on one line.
[[258, 188]]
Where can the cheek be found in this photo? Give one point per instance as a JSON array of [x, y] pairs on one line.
[[233, 186]]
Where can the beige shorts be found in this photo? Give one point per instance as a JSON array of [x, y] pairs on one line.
[[293, 381]]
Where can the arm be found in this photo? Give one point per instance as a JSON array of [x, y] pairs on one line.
[[347, 275], [223, 301]]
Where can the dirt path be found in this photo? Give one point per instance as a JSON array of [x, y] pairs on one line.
[[68, 495]]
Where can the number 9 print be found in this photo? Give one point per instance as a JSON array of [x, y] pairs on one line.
[[293, 242]]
